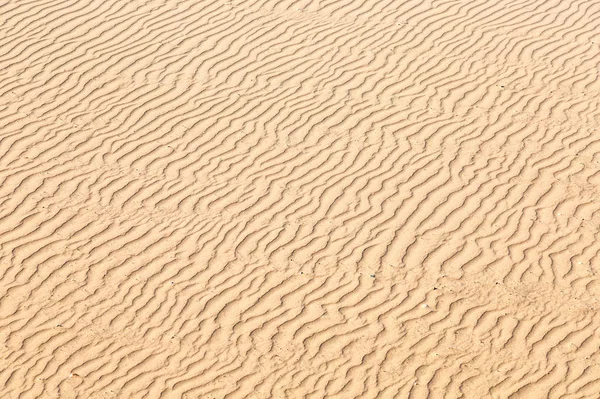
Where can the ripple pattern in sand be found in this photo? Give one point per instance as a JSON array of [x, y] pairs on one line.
[[299, 199]]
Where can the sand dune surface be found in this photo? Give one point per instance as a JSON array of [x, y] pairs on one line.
[[300, 199]]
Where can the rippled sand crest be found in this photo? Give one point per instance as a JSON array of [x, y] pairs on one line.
[[300, 199]]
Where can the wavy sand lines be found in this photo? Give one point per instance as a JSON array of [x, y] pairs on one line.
[[299, 199]]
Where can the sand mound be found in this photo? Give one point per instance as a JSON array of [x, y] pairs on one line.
[[299, 199]]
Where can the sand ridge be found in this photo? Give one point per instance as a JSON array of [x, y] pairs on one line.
[[299, 199]]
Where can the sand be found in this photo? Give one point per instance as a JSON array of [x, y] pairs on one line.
[[300, 199]]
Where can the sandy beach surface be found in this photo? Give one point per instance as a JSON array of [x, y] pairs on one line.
[[299, 199]]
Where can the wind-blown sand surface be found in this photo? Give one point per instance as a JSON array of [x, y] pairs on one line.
[[300, 199]]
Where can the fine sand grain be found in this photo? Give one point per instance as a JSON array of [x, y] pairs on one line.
[[299, 199]]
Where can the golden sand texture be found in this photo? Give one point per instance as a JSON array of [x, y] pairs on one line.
[[299, 199]]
